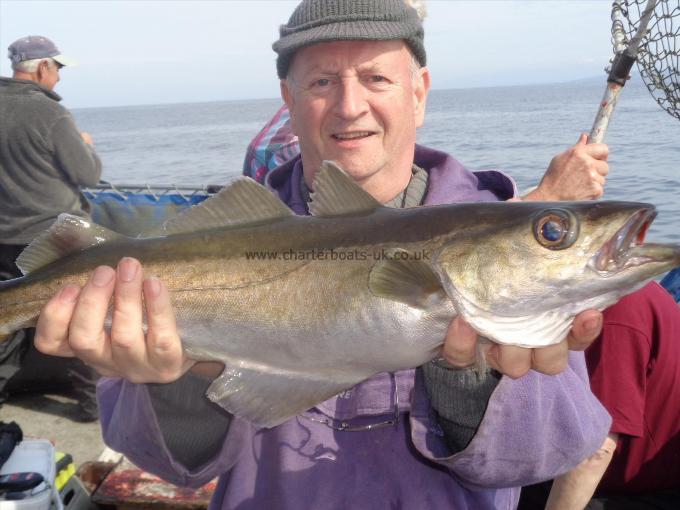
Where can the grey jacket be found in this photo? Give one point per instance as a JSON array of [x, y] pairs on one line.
[[43, 161]]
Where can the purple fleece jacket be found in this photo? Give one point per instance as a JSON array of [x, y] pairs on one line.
[[534, 428]]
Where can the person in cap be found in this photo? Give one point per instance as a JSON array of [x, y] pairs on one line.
[[44, 160], [354, 79]]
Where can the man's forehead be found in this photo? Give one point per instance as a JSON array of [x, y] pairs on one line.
[[356, 54]]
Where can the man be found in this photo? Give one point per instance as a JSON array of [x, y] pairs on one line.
[[44, 160], [354, 79], [634, 366]]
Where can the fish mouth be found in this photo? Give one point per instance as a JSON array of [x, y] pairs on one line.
[[626, 248]]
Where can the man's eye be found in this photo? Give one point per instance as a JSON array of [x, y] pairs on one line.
[[322, 82], [378, 79]]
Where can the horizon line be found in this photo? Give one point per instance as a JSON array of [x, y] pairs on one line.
[[434, 89]]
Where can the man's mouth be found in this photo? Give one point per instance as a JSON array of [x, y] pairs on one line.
[[351, 135]]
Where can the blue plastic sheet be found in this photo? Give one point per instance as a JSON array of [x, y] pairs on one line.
[[135, 214], [671, 282]]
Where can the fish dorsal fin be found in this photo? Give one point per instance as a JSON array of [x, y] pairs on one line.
[[68, 234], [336, 194], [404, 279], [242, 202]]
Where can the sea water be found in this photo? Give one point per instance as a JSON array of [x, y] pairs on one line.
[[517, 129]]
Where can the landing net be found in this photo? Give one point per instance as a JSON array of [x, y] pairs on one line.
[[658, 52]]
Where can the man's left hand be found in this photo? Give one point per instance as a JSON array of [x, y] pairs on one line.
[[575, 174], [460, 348]]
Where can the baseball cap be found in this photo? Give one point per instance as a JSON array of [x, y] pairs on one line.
[[36, 46]]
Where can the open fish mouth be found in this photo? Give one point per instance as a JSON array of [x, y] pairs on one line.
[[626, 247]]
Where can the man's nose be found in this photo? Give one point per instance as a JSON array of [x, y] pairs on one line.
[[351, 102]]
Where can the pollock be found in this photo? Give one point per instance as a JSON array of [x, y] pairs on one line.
[[300, 308]]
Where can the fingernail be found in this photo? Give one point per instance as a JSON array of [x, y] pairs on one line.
[[592, 325], [154, 286], [491, 356], [69, 294], [127, 269], [102, 276], [465, 328]]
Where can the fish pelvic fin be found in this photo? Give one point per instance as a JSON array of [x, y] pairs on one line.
[[242, 202], [68, 234], [336, 194], [267, 398], [403, 279]]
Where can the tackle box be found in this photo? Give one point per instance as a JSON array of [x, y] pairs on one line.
[[32, 456]]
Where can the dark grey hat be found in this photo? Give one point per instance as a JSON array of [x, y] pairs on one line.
[[35, 46], [315, 21]]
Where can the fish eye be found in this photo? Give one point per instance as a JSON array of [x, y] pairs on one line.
[[556, 229]]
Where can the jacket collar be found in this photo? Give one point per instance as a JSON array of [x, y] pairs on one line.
[[449, 181], [23, 86]]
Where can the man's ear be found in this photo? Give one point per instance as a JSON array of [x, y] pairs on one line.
[[287, 97], [421, 89], [42, 69]]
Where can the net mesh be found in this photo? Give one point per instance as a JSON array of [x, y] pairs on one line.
[[659, 49]]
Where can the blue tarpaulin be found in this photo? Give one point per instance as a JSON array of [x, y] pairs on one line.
[[671, 282], [134, 214]]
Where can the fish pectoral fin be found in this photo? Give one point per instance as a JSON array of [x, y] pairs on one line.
[[267, 399], [68, 234], [242, 202], [336, 194], [400, 278]]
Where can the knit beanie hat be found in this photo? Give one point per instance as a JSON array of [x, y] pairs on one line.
[[315, 21]]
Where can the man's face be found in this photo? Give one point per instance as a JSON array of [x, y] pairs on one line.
[[48, 73], [358, 103]]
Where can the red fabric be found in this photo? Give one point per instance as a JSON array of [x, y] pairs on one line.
[[634, 370]]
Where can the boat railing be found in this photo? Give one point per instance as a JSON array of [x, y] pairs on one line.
[[154, 191], [137, 209]]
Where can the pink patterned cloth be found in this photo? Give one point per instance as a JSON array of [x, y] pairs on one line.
[[272, 146]]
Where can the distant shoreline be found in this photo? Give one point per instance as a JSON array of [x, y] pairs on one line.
[[636, 81]]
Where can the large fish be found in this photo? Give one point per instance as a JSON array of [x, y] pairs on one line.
[[300, 308]]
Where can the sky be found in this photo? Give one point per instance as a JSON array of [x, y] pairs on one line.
[[159, 51]]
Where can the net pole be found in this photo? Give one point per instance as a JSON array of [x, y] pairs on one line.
[[620, 69]]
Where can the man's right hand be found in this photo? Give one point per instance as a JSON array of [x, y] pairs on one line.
[[87, 138], [460, 348], [72, 324]]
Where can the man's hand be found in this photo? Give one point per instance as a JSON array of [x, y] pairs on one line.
[[87, 138], [72, 324], [574, 489], [460, 348], [575, 174]]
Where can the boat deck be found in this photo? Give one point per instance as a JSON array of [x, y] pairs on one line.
[[47, 416]]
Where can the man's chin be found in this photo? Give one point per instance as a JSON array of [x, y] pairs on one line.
[[357, 167], [357, 171], [359, 164]]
